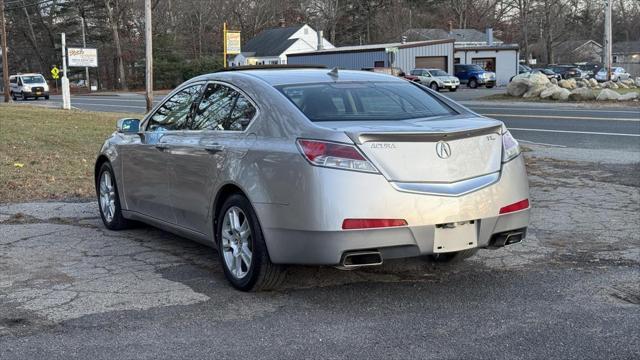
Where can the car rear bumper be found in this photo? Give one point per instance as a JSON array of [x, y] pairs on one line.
[[310, 233]]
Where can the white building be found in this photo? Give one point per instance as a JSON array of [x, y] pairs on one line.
[[272, 46], [403, 55], [476, 47]]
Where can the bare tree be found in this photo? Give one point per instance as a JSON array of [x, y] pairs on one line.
[[122, 80]]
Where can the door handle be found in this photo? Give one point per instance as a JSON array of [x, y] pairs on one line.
[[214, 148], [162, 146]]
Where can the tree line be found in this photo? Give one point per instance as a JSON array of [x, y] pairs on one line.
[[187, 37]]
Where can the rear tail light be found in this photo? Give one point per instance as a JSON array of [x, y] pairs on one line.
[[335, 155], [351, 224], [517, 206], [510, 147]]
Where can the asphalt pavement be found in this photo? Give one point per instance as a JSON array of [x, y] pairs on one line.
[[71, 289]]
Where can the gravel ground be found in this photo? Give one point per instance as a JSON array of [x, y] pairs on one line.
[[71, 289]]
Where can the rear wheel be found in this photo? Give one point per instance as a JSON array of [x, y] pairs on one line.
[[243, 252], [473, 83], [434, 86], [453, 257], [13, 96]]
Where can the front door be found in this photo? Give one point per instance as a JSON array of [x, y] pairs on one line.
[[145, 168]]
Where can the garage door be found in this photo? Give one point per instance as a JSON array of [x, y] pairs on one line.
[[432, 62]]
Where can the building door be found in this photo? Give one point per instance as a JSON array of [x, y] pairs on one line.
[[488, 64], [432, 62]]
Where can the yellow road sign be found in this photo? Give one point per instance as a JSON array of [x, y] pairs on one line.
[[55, 73]]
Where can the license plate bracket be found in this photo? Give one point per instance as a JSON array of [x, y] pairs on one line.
[[455, 236]]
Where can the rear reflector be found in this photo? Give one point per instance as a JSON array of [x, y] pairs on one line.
[[520, 205], [349, 224]]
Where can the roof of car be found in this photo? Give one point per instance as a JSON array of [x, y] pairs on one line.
[[281, 76]]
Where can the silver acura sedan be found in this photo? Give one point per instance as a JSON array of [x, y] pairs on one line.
[[277, 166]]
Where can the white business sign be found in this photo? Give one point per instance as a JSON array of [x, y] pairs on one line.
[[82, 57]]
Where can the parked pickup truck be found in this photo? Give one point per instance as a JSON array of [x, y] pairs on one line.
[[474, 75], [436, 79]]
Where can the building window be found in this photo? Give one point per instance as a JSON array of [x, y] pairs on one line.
[[488, 64], [456, 60], [615, 58], [378, 64]]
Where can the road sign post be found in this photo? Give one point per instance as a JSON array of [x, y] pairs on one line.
[[66, 93], [55, 74]]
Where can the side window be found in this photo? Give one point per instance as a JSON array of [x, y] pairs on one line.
[[13, 80], [242, 114], [173, 113], [223, 108], [19, 81]]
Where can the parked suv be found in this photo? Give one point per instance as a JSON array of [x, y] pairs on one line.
[[436, 79], [617, 74], [28, 85], [567, 71], [474, 75]]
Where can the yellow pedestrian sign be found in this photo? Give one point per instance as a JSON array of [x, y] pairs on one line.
[[55, 73]]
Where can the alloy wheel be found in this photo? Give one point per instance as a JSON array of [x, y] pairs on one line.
[[107, 196], [237, 247]]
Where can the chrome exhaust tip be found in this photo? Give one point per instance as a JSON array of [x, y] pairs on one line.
[[507, 238], [355, 259]]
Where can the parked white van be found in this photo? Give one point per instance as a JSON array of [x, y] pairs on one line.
[[28, 85]]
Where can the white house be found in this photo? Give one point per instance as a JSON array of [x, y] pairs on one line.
[[272, 46]]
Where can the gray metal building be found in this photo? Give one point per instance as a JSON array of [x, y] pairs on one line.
[[406, 56]]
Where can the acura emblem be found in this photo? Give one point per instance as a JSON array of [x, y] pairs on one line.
[[443, 149]]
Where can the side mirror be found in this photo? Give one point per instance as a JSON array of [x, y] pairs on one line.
[[128, 126]]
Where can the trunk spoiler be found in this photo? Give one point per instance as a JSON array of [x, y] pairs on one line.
[[361, 137]]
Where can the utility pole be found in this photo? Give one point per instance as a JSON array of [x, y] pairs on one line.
[[148, 35], [84, 45], [5, 56], [66, 94], [607, 37]]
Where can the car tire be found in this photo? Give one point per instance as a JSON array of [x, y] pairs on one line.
[[13, 96], [260, 273], [489, 86], [23, 96], [453, 257], [109, 199], [453, 89], [473, 83], [46, 97], [434, 86]]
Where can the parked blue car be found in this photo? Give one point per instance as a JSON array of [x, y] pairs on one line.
[[474, 75]]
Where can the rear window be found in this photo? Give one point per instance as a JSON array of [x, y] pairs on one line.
[[364, 101]]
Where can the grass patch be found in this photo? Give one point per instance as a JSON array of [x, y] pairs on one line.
[[49, 154]]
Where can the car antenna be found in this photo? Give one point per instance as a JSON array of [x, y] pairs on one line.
[[333, 73]]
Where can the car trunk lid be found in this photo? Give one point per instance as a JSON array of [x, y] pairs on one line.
[[440, 151]]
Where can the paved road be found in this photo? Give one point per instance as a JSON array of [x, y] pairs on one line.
[[70, 289], [616, 128]]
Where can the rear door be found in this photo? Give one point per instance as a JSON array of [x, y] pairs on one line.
[[146, 184], [215, 140]]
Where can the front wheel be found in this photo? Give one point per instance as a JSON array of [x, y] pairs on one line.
[[473, 83], [24, 97], [453, 89], [46, 97], [434, 86], [242, 250], [108, 199], [453, 257]]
